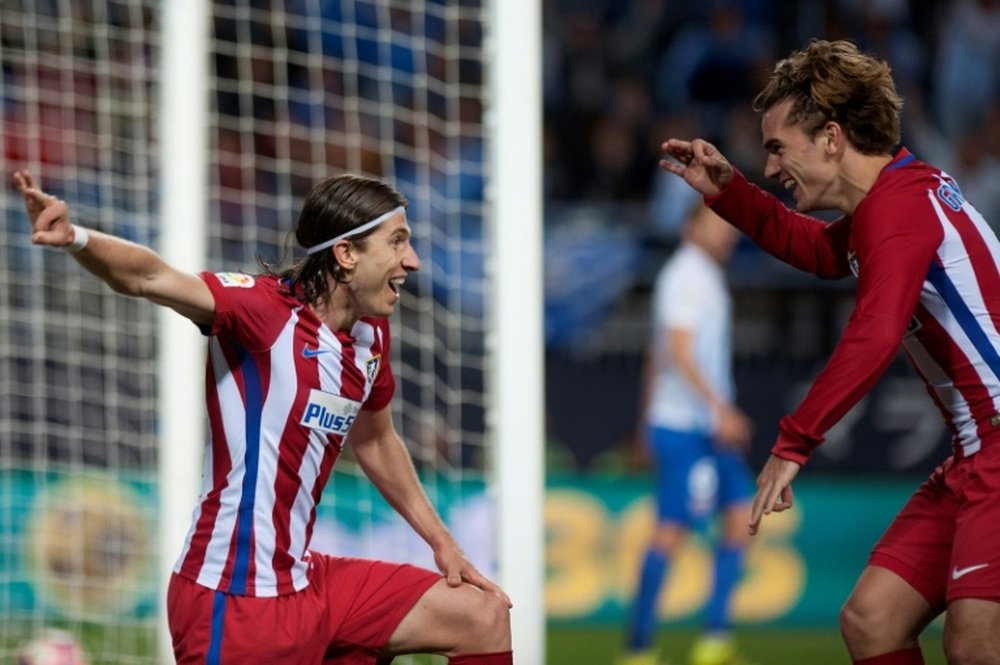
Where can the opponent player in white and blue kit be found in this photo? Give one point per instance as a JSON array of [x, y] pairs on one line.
[[696, 434], [928, 280], [297, 359]]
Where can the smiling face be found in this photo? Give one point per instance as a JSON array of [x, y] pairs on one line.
[[804, 165], [378, 267]]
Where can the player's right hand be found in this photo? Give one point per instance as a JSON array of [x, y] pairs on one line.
[[703, 167], [50, 223]]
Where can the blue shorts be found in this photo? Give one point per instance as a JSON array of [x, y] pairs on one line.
[[695, 479]]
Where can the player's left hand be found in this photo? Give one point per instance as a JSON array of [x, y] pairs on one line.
[[774, 490], [457, 568]]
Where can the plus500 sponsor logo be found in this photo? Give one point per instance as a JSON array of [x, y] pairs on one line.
[[329, 413]]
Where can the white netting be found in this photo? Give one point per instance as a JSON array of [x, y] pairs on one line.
[[77, 419], [300, 90]]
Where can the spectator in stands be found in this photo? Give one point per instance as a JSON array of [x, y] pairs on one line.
[[967, 70]]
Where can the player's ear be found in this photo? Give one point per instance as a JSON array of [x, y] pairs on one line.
[[346, 254], [833, 136]]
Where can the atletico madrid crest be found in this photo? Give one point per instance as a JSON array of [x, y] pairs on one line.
[[371, 368]]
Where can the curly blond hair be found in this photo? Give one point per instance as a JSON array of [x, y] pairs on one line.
[[834, 81]]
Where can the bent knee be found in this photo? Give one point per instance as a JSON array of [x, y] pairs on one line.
[[490, 622], [863, 622], [453, 621], [852, 622], [871, 626]]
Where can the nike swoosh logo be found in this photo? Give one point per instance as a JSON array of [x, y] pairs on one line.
[[958, 572], [312, 353]]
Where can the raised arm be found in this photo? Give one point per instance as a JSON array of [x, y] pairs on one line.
[[799, 240], [387, 463], [127, 267]]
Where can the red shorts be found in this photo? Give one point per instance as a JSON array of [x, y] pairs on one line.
[[346, 615], [945, 542]]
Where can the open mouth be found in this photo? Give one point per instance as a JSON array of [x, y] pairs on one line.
[[395, 284]]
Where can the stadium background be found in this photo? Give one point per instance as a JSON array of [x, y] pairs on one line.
[[618, 77]]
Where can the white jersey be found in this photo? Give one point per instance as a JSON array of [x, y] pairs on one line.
[[690, 294]]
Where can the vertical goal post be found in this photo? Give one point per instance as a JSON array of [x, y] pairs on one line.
[[515, 118], [184, 146]]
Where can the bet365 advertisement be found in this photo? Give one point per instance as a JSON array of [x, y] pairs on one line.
[[84, 546], [800, 567]]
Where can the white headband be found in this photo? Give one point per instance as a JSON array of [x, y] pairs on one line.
[[357, 230]]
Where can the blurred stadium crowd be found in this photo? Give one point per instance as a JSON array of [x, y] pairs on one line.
[[622, 76]]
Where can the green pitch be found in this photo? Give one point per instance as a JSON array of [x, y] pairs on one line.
[[763, 646], [566, 646]]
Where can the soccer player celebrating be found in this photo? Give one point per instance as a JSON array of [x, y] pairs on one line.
[[927, 273], [296, 359]]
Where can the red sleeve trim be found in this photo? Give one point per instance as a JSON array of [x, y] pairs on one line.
[[793, 451]]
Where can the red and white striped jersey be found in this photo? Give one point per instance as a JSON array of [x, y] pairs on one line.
[[282, 390], [928, 277]]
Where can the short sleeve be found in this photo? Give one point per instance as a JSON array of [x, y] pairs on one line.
[[248, 308], [679, 297]]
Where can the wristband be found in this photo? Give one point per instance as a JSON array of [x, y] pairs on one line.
[[80, 238]]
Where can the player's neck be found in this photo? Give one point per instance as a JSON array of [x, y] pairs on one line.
[[336, 311], [858, 175]]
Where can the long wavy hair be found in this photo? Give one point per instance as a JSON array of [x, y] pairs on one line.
[[333, 207]]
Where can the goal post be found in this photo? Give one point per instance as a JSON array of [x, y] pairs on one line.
[[517, 331], [183, 208]]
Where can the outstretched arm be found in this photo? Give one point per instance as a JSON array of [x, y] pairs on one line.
[[387, 463], [797, 239], [126, 267]]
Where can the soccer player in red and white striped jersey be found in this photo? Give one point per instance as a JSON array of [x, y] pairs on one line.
[[297, 359], [928, 280]]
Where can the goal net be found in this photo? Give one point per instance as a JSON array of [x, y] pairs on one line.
[[77, 420], [298, 91]]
